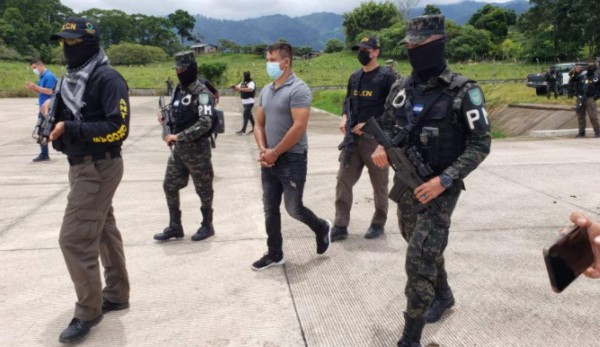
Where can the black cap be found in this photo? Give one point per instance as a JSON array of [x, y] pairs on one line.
[[367, 42], [419, 29], [75, 28], [184, 59]]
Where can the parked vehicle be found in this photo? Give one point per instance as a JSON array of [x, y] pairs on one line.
[[538, 80]]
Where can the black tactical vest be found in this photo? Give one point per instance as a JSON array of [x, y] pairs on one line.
[[184, 108], [247, 95], [435, 132]]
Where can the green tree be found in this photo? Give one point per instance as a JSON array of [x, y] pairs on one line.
[[115, 25], [588, 13], [302, 51], [369, 16], [469, 43], [333, 45], [389, 39], [184, 23], [15, 30], [494, 19], [553, 29], [33, 21], [431, 10], [229, 46], [155, 31]]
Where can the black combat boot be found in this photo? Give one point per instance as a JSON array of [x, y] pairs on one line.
[[174, 229], [443, 300], [206, 228], [411, 336]]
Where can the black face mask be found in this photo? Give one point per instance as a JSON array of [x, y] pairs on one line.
[[78, 54], [364, 57], [247, 77], [428, 60], [189, 75]]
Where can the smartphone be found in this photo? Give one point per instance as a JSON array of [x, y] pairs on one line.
[[568, 257]]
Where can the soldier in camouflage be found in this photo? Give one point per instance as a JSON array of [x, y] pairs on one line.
[[450, 129], [191, 122]]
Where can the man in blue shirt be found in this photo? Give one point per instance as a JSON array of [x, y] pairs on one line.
[[44, 87]]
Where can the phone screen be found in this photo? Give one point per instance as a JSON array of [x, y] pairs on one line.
[[568, 258]]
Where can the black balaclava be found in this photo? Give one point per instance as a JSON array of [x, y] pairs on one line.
[[364, 57], [591, 69], [79, 54], [247, 77], [189, 75], [428, 60]]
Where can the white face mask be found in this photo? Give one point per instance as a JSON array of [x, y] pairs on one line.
[[36, 71], [273, 70]]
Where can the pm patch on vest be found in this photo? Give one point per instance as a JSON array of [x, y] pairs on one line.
[[474, 110]]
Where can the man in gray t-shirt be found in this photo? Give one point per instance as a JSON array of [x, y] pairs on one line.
[[280, 131]]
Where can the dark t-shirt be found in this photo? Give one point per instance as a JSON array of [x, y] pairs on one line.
[[367, 93]]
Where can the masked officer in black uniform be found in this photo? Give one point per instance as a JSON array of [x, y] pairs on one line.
[[552, 81], [93, 122], [588, 90], [367, 90], [191, 123], [447, 123]]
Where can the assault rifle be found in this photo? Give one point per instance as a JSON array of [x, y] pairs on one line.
[[166, 118], [349, 137], [406, 162], [45, 128]]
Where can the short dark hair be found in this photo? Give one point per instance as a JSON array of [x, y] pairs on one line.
[[285, 50], [36, 62]]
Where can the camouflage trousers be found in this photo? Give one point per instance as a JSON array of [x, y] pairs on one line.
[[189, 159], [427, 236]]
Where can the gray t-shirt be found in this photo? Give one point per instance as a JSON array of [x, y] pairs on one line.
[[277, 105]]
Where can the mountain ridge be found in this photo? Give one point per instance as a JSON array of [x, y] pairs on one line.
[[317, 28]]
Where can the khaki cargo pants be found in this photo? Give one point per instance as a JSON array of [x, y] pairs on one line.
[[89, 231], [591, 109], [347, 177]]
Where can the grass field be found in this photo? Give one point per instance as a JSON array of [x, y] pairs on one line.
[[326, 70]]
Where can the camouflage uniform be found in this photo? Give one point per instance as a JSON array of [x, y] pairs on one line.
[[191, 156], [456, 106], [191, 120]]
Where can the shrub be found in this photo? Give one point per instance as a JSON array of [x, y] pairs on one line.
[[135, 54], [7, 53], [213, 71]]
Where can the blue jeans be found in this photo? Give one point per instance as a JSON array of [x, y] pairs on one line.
[[43, 148], [286, 178]]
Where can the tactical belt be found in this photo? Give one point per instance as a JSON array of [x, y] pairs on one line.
[[108, 155]]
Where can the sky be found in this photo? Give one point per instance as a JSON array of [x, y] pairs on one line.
[[233, 9]]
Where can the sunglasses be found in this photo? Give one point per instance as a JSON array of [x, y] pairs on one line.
[[69, 42]]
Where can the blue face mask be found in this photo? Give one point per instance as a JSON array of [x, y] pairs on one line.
[[273, 70]]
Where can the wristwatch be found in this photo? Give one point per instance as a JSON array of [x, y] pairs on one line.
[[446, 180]]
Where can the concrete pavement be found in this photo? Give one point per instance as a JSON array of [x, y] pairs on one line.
[[188, 293]]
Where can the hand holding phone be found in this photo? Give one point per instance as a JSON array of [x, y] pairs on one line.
[[568, 257]]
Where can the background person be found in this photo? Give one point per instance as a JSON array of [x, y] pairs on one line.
[[44, 88], [435, 98], [391, 64], [552, 82], [588, 90], [247, 89]]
